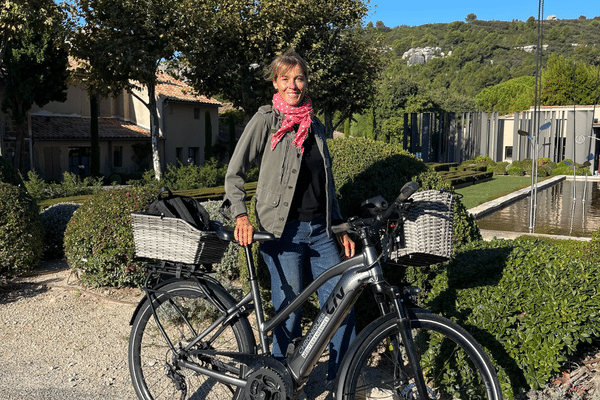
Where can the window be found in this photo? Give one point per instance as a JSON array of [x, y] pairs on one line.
[[117, 156], [179, 154], [79, 160], [508, 152], [193, 155], [196, 113]]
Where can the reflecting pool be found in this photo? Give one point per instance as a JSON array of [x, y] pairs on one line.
[[569, 208]]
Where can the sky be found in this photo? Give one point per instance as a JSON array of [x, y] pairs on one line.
[[418, 12]]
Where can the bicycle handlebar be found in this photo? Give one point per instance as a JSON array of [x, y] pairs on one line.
[[407, 190]]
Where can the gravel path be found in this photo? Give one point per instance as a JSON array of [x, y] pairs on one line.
[[61, 341]]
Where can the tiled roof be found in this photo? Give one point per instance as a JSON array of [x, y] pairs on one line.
[[173, 89], [77, 128], [168, 87]]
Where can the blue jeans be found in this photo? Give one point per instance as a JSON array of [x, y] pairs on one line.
[[303, 252]]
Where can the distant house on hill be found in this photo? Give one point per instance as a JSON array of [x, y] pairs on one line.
[[60, 132]]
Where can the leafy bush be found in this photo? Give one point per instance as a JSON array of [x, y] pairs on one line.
[[563, 169], [9, 174], [525, 301], [21, 232], [518, 163], [593, 247], [186, 177], [54, 220], [229, 267], [72, 185], [484, 160], [500, 168], [99, 241], [515, 170]]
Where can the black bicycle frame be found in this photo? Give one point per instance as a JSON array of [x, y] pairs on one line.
[[356, 273]]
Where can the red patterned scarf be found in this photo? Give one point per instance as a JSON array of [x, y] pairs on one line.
[[295, 115]]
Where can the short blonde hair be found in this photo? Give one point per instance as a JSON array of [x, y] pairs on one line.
[[283, 63]]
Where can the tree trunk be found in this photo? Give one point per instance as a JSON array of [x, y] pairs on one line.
[[21, 154], [20, 148], [94, 136], [328, 116], [207, 137], [154, 131]]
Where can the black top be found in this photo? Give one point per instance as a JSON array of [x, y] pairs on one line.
[[309, 196]]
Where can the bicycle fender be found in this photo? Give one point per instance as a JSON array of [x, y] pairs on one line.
[[157, 287]]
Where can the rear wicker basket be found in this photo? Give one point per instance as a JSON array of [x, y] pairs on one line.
[[428, 230], [173, 239]]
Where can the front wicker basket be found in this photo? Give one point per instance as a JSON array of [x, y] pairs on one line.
[[428, 230], [173, 239]]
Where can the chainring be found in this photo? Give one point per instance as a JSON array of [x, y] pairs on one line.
[[266, 384]]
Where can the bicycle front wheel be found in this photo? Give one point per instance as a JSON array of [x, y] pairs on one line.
[[454, 365], [184, 311]]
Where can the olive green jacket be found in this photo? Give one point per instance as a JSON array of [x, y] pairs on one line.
[[278, 171]]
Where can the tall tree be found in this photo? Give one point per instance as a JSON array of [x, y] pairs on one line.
[[227, 54], [33, 68], [15, 13], [565, 82], [127, 40], [344, 77]]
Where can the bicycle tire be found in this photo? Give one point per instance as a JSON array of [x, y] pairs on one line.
[[151, 366], [455, 366]]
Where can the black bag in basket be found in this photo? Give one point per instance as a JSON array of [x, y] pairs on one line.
[[182, 207]]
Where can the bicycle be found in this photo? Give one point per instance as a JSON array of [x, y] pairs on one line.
[[190, 339]]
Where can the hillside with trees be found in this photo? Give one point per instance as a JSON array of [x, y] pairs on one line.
[[480, 65]]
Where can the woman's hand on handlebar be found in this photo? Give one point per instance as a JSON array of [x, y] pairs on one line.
[[243, 230], [347, 244]]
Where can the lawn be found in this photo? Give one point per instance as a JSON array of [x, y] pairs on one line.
[[498, 186], [473, 195]]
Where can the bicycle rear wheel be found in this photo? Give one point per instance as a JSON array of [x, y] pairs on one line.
[[454, 364], [184, 311]]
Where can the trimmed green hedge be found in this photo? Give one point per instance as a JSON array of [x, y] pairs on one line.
[[363, 168], [21, 231], [529, 303]]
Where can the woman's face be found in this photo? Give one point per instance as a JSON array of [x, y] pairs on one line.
[[291, 85]]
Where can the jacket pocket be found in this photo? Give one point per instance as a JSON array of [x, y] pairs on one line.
[[267, 202]]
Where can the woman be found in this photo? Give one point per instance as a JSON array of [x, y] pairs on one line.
[[295, 199]]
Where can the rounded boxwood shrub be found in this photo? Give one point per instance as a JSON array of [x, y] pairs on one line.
[[21, 231], [54, 220], [500, 168], [98, 241], [515, 170]]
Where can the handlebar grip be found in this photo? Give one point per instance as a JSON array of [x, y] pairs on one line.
[[407, 190], [341, 228]]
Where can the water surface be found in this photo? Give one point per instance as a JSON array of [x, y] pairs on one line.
[[556, 212]]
